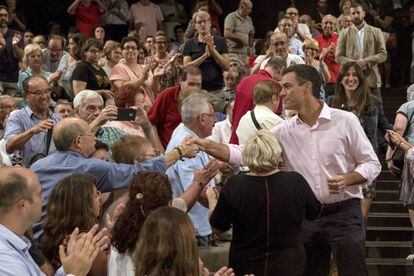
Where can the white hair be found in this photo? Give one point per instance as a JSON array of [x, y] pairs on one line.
[[83, 95], [193, 106]]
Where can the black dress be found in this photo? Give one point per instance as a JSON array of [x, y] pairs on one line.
[[266, 213]]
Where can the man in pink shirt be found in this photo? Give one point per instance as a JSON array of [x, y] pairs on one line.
[[330, 149], [146, 16]]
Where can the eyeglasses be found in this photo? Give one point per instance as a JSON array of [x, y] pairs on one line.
[[161, 42], [292, 13], [130, 48], [41, 92], [94, 51], [199, 22], [4, 14], [55, 50], [211, 115]]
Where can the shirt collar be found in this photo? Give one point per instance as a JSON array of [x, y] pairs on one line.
[[20, 243], [264, 72], [324, 115], [192, 133], [30, 112]]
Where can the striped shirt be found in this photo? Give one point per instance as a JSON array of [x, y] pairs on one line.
[[22, 120]]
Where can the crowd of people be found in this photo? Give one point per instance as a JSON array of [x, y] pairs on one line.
[[145, 134]]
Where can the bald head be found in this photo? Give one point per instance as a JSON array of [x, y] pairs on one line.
[[279, 44], [66, 131], [15, 183]]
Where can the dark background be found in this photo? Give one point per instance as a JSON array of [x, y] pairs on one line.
[[265, 12]]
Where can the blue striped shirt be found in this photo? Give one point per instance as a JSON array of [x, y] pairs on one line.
[[22, 120]]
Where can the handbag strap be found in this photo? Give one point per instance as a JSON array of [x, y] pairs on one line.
[[255, 122], [48, 140]]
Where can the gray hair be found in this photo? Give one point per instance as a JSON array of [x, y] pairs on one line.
[[66, 135], [193, 106], [83, 95], [202, 15]]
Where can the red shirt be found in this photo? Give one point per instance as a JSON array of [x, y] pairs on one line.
[[333, 67], [87, 18], [244, 99], [164, 113]]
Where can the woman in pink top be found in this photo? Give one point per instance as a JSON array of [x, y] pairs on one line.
[[129, 71]]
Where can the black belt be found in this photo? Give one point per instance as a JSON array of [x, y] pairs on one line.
[[339, 206]]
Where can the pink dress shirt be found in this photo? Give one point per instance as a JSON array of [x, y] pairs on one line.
[[335, 145]]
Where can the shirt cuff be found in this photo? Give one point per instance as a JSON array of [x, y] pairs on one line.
[[235, 158]]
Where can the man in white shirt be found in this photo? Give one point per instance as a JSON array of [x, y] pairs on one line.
[[279, 46], [302, 31], [286, 25], [263, 116]]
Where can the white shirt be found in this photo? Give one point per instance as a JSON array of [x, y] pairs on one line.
[[266, 118], [360, 39], [303, 28], [290, 60], [221, 132], [120, 264]]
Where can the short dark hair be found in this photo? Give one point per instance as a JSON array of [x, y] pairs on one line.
[[3, 7], [89, 43], [101, 146], [11, 188], [26, 82], [58, 37], [129, 39], [356, 4], [306, 73], [190, 70]]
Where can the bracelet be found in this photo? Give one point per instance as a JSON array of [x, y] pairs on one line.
[[180, 153]]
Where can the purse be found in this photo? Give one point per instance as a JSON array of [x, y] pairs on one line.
[[398, 155]]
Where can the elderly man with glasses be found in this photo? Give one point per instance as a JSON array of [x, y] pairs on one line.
[[26, 129], [53, 53]]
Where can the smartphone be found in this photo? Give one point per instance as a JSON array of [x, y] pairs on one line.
[[126, 114]]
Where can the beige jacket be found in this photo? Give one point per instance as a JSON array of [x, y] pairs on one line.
[[374, 51]]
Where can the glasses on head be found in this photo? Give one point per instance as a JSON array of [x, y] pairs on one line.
[[130, 48], [41, 92]]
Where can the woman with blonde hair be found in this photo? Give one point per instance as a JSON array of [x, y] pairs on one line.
[[266, 208], [32, 64]]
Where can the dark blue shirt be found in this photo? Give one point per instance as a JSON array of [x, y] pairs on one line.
[[211, 71], [9, 65], [108, 176]]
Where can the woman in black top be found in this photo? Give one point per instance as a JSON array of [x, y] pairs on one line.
[[266, 208], [88, 74]]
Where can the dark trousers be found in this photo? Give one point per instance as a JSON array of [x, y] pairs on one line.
[[339, 231]]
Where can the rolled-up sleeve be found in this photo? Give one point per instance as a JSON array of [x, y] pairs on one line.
[[236, 158]]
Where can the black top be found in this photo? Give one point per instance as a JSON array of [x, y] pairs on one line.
[[9, 64], [211, 72], [96, 79], [266, 214]]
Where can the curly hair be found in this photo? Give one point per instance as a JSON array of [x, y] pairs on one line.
[[126, 95], [70, 206], [155, 191], [166, 245]]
